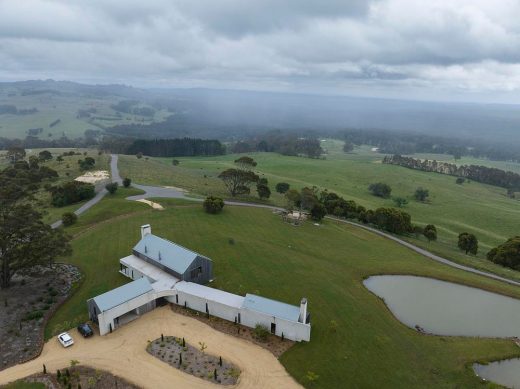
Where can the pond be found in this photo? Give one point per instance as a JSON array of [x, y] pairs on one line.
[[506, 373], [445, 308]]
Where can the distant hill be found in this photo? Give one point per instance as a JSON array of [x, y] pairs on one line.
[[231, 114]]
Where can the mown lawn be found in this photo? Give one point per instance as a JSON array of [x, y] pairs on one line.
[[326, 264], [473, 207]]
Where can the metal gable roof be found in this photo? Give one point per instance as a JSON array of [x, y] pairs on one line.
[[271, 307], [122, 294], [167, 253]]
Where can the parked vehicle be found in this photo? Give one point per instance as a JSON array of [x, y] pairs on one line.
[[65, 339], [85, 330]]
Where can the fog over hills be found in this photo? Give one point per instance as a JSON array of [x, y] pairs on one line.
[[207, 112]]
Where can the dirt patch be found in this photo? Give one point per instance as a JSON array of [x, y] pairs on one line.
[[93, 177], [183, 356], [274, 344], [80, 376], [26, 306], [151, 204]]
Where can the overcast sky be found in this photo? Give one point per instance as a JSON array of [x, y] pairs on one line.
[[435, 49]]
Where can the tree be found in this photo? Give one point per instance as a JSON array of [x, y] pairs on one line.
[[380, 189], [213, 204], [59, 158], [45, 155], [392, 220], [421, 194], [245, 163], [318, 212], [127, 182], [238, 181], [282, 187], [87, 163], [348, 146], [139, 155], [430, 232], [507, 254], [400, 201], [293, 199], [468, 243], [69, 218], [15, 154], [175, 162], [460, 180], [417, 230], [263, 191], [25, 241], [112, 187]]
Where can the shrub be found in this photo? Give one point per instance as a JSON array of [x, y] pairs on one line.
[[71, 192], [460, 180], [421, 194], [430, 232], [507, 254], [112, 187], [380, 189], [213, 204], [282, 187], [69, 218], [263, 191], [139, 155], [175, 162], [261, 332], [127, 182]]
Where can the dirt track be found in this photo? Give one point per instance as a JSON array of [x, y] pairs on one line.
[[123, 353]]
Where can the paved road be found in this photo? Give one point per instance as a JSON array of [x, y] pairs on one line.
[[114, 172]]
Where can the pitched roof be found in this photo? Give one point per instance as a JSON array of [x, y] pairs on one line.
[[167, 253], [122, 294], [271, 307], [210, 294]]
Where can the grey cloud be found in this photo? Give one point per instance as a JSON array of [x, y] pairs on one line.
[[437, 47]]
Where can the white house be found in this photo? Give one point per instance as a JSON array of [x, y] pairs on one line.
[[163, 271]]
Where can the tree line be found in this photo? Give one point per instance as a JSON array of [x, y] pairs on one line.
[[277, 142], [396, 142], [483, 174], [185, 147]]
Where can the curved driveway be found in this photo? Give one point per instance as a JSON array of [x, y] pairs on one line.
[[123, 353]]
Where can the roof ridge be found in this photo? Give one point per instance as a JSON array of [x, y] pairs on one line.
[[175, 244]]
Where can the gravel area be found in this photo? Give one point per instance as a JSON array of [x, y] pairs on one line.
[[26, 306]]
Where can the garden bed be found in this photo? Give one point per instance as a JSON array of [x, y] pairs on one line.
[[76, 377], [185, 357], [26, 306], [273, 343]]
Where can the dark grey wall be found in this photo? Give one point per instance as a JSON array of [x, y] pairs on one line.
[[207, 270]]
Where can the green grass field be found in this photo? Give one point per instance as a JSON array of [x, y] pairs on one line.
[[473, 207], [52, 107], [326, 264], [24, 385]]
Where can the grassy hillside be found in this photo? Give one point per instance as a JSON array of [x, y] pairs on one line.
[[63, 106], [67, 171], [473, 207], [326, 264]]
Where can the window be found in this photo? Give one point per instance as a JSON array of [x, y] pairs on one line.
[[196, 272]]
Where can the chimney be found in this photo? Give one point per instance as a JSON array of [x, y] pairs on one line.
[[303, 311], [145, 230]]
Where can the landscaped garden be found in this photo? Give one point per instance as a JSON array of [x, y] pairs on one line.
[[192, 360]]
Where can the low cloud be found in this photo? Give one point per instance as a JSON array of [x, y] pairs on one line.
[[434, 49]]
